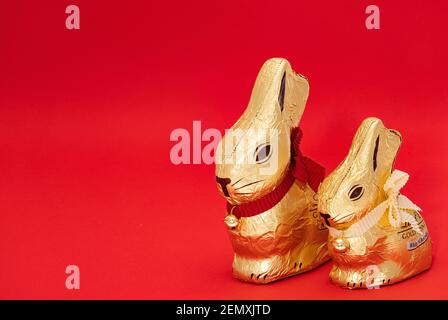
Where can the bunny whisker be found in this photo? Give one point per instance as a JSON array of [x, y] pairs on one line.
[[249, 184], [233, 184], [351, 214], [336, 216]]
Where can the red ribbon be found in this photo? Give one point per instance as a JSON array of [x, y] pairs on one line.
[[304, 169], [301, 168]]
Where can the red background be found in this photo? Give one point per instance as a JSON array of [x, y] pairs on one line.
[[85, 119]]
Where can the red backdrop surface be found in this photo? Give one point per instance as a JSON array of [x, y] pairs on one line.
[[85, 119]]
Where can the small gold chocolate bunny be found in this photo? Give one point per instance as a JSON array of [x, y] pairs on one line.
[[377, 235], [272, 216]]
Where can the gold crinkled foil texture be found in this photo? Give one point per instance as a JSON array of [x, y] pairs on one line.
[[377, 236], [289, 238]]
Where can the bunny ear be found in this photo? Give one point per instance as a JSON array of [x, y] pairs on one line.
[[375, 153], [385, 151], [367, 145], [381, 145], [373, 149], [264, 100], [393, 140], [279, 95], [296, 91]]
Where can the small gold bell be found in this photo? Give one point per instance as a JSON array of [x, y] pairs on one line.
[[340, 245], [231, 221]]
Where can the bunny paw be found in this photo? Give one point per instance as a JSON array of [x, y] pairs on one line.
[[261, 277], [353, 285], [361, 284], [297, 266]]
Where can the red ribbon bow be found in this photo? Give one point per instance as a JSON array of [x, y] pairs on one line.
[[304, 169]]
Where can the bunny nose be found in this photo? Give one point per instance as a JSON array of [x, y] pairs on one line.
[[224, 182], [327, 218]]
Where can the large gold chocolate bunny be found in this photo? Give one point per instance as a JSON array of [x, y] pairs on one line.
[[272, 216], [377, 236]]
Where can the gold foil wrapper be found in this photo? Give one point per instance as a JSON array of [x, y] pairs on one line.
[[289, 238], [377, 236]]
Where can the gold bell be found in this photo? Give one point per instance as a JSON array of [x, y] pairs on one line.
[[340, 245], [231, 221]]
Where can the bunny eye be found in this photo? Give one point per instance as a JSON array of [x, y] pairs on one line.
[[356, 192], [262, 153]]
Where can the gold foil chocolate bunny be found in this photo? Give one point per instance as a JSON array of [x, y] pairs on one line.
[[272, 216], [377, 236]]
